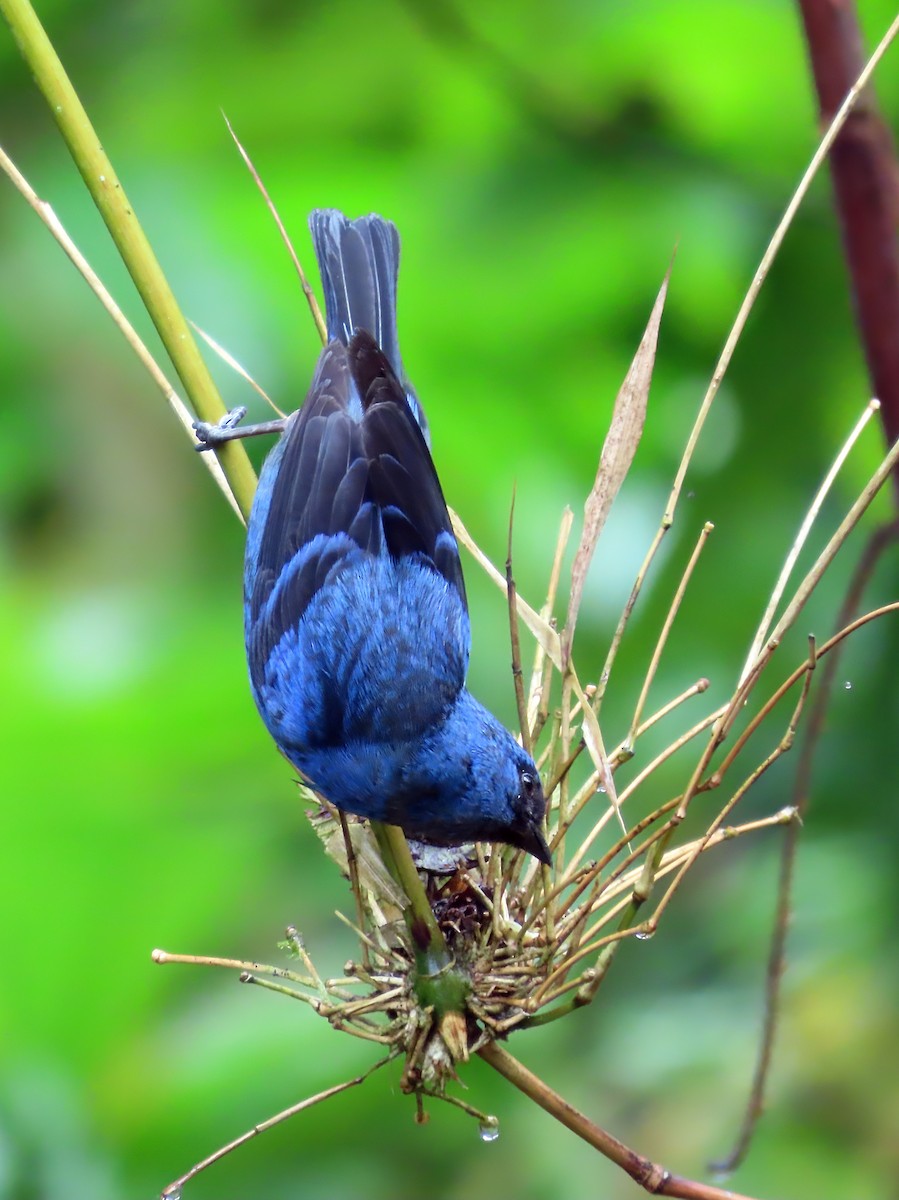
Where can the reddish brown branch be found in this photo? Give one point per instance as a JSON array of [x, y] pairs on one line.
[[866, 185]]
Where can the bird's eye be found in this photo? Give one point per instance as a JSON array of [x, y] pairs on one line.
[[529, 781]]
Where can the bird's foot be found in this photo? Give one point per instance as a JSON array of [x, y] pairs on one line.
[[442, 860], [210, 437]]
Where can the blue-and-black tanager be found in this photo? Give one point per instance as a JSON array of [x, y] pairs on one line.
[[357, 629]]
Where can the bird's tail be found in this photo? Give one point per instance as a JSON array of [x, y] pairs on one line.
[[359, 261]]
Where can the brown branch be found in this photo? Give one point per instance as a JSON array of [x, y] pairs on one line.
[[866, 185], [649, 1175]]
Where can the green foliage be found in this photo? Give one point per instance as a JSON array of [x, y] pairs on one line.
[[540, 171]]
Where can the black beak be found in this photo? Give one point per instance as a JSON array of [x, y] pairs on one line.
[[535, 843]]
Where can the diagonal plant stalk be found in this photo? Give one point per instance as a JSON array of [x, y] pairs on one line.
[[131, 241], [314, 309], [517, 677], [174, 1190], [49, 218], [631, 738], [649, 1175], [801, 596], [804, 530]]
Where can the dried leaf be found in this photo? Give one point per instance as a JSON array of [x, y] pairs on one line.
[[618, 452], [373, 875]]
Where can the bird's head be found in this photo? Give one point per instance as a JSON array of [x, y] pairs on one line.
[[527, 805], [473, 782]]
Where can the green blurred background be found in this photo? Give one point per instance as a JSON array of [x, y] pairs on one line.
[[541, 163]]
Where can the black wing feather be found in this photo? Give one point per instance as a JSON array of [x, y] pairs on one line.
[[354, 468]]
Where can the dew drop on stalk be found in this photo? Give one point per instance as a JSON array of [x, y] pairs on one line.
[[488, 1130], [644, 935], [171, 1194], [848, 685]]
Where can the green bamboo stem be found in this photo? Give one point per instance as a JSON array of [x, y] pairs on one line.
[[131, 242], [438, 982], [398, 858]]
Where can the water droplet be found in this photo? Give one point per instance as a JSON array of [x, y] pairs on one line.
[[645, 935], [171, 1194], [848, 685], [488, 1130], [601, 790]]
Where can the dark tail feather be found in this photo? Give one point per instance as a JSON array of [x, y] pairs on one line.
[[359, 261]]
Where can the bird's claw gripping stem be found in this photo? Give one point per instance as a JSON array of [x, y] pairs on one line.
[[210, 437]]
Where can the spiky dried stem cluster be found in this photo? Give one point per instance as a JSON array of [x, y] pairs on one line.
[[527, 942], [491, 941], [520, 944]]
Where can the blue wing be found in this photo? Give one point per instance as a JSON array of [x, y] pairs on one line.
[[356, 617]]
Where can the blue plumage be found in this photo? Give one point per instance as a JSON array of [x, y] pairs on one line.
[[357, 628]]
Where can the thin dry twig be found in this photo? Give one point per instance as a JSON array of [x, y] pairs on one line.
[[665, 631], [298, 267], [842, 114], [230, 361], [175, 1188], [515, 641], [880, 540], [805, 528]]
